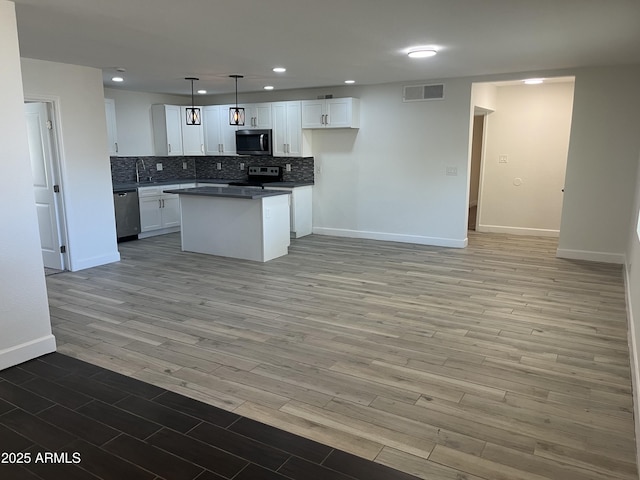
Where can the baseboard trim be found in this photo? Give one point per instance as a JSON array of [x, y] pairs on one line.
[[94, 261], [392, 237], [161, 231], [27, 351], [605, 257], [536, 232]]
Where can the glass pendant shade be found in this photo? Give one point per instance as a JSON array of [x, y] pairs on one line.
[[236, 116], [193, 116]]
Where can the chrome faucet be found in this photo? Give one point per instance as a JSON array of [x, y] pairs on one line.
[[144, 168]]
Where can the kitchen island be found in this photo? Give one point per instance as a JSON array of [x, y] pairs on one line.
[[247, 223]]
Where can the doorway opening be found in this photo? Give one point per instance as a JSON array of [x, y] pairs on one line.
[[47, 184], [519, 144], [474, 171]]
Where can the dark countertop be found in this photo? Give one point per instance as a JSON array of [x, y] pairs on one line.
[[120, 187], [230, 192], [287, 184]]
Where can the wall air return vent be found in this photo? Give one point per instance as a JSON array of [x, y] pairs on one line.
[[420, 93]]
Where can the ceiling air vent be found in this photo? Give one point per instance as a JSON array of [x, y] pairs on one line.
[[419, 93]]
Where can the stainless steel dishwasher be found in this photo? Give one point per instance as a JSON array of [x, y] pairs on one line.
[[127, 213]]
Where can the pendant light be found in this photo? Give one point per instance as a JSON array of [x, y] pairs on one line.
[[236, 115], [193, 113]]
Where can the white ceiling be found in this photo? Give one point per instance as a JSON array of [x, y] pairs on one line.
[[323, 42]]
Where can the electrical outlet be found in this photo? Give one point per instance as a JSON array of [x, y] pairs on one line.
[[503, 158], [242, 166], [318, 169], [184, 165], [452, 171], [218, 166], [288, 167], [159, 167]]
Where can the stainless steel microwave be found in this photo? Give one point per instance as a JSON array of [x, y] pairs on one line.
[[254, 142]]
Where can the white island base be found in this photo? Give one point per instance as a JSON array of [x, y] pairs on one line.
[[248, 228]]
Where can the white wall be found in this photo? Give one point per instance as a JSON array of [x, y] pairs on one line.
[[86, 170], [484, 97], [603, 152], [387, 180], [24, 312], [531, 126], [133, 119]]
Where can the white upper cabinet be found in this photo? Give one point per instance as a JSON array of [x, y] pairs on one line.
[[258, 116], [192, 135], [331, 113], [112, 132], [287, 129], [167, 130], [219, 136]]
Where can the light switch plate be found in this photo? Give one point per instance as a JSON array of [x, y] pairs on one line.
[[218, 166], [452, 171], [242, 166], [184, 165], [288, 167], [159, 167]]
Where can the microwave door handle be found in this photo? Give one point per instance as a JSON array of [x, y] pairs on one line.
[[262, 145]]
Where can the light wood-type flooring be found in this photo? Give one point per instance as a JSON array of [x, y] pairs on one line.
[[497, 361]]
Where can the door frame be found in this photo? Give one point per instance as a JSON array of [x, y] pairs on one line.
[[52, 104]]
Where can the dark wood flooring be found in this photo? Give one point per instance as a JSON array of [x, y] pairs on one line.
[[63, 418]]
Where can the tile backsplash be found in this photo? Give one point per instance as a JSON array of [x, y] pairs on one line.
[[123, 169]]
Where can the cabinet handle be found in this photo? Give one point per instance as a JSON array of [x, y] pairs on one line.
[[116, 147], [202, 147], [159, 203], [169, 147], [326, 119], [163, 203]]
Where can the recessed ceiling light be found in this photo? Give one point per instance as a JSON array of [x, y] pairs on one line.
[[268, 87], [202, 92], [279, 69], [117, 79], [422, 52], [533, 81], [349, 81]]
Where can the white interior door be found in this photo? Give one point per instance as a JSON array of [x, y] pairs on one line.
[[43, 183]]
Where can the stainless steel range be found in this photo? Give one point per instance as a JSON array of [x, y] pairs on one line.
[[259, 176]]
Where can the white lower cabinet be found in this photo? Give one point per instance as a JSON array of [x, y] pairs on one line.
[[159, 211], [300, 209]]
